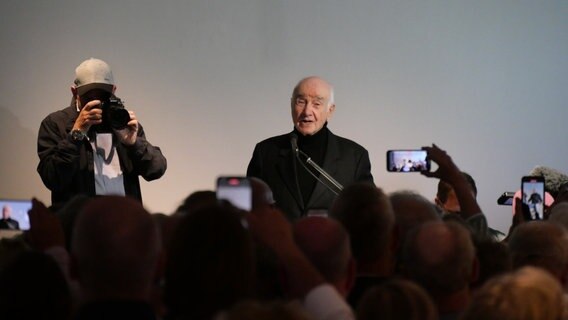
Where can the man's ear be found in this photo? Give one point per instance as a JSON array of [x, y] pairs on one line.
[[331, 110], [113, 88]]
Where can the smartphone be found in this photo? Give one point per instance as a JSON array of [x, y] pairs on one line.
[[532, 194], [407, 161], [506, 199], [236, 190], [15, 214]]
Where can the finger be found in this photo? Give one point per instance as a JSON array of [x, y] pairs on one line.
[[92, 104], [430, 174]]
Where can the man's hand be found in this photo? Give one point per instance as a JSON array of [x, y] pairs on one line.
[[128, 135], [90, 115], [447, 170]]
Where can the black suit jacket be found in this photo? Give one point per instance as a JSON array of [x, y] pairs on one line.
[[273, 162]]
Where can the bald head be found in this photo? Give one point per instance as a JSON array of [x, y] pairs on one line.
[[312, 105], [116, 246]]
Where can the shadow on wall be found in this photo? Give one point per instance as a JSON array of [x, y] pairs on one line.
[[18, 160]]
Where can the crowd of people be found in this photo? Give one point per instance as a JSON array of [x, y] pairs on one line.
[[373, 256], [311, 247]]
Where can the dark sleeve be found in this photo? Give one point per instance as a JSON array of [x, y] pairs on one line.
[[58, 155], [255, 165], [363, 169], [148, 160]]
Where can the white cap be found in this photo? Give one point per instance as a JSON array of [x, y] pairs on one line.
[[93, 74]]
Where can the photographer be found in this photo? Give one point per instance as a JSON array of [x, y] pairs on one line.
[[95, 146]]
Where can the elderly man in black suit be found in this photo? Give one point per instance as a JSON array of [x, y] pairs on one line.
[[296, 190]]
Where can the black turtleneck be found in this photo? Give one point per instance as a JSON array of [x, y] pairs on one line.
[[315, 147]]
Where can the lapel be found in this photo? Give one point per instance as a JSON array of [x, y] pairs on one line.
[[286, 170], [330, 165]]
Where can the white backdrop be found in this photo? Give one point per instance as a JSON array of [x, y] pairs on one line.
[[486, 80]]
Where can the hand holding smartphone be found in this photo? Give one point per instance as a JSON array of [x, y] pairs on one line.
[[236, 190], [407, 161]]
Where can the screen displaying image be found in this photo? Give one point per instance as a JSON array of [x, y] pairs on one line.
[[533, 197], [407, 161], [15, 214]]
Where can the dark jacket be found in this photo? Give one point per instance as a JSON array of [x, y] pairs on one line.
[[67, 168], [273, 162]]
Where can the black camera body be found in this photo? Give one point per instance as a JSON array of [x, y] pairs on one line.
[[115, 116]]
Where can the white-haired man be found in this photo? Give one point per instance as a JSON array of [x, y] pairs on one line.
[[296, 190]]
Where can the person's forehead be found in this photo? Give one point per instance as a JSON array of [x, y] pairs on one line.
[[319, 92]]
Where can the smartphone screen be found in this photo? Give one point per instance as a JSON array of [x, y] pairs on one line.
[[236, 190], [533, 197], [15, 214], [407, 161]]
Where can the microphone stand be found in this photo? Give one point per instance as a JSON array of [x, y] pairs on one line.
[[328, 180]]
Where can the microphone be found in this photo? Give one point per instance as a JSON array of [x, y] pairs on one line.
[[294, 143]]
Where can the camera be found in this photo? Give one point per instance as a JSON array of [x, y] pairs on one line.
[[115, 115]]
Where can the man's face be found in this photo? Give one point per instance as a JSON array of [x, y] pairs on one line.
[[452, 205], [6, 212], [310, 106]]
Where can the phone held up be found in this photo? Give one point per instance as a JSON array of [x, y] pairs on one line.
[[15, 214], [407, 161], [532, 195], [236, 190]]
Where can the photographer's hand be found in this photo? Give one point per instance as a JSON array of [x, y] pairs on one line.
[[91, 114], [128, 135]]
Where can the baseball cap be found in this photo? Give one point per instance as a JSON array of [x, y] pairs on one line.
[[93, 74]]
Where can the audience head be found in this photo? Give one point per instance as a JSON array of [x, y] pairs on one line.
[[526, 294], [196, 201], [411, 210], [367, 215], [397, 299], [261, 193], [32, 286], [541, 244], [116, 249], [440, 256], [325, 243], [559, 214], [210, 263], [67, 214], [494, 259]]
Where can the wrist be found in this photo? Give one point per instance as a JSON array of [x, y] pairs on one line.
[[78, 135]]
